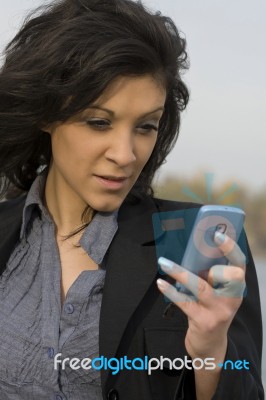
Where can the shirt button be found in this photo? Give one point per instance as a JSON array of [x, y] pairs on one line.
[[50, 352], [113, 395], [69, 308]]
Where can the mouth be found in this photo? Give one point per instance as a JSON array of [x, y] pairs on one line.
[[113, 178], [112, 182]]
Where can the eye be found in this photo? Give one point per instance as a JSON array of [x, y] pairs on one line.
[[99, 123], [148, 128]]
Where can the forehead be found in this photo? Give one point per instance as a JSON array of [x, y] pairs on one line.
[[139, 90]]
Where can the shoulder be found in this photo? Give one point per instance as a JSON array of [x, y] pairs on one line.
[[10, 223], [171, 205], [11, 210], [153, 204], [13, 204]]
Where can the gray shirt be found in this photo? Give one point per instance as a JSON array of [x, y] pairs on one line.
[[34, 326]]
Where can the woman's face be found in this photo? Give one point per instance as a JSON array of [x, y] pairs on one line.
[[98, 155]]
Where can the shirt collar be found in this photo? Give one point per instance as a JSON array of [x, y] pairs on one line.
[[97, 236], [33, 199]]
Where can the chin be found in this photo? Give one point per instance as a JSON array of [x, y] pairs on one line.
[[106, 206]]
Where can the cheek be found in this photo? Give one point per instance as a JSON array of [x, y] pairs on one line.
[[145, 150], [68, 152]]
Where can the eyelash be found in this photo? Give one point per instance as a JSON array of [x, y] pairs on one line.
[[149, 127], [99, 124], [102, 125]]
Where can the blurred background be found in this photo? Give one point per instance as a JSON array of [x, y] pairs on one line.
[[220, 154]]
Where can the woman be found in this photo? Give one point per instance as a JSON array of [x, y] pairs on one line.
[[91, 95]]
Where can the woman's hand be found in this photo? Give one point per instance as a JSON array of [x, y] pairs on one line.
[[211, 306]]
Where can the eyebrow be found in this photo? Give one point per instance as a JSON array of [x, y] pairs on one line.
[[110, 112]]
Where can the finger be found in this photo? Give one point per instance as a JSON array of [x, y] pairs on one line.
[[173, 295], [230, 249], [229, 279], [196, 285]]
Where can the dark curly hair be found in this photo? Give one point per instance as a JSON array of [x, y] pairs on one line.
[[63, 58]]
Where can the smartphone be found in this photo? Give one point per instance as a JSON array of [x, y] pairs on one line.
[[201, 252]]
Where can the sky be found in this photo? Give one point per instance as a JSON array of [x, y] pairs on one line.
[[223, 130]]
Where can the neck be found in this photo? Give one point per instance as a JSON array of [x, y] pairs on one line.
[[64, 206]]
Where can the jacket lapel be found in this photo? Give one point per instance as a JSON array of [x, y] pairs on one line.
[[131, 269]]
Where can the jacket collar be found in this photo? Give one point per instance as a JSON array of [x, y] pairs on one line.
[[10, 223]]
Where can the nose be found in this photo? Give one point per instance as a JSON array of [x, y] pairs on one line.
[[121, 149]]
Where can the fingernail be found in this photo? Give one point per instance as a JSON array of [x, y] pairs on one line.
[[162, 284], [167, 265], [219, 237]]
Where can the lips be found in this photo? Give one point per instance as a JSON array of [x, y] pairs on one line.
[[112, 178], [112, 182]]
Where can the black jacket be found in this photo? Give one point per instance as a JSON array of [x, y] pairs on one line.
[[132, 320]]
